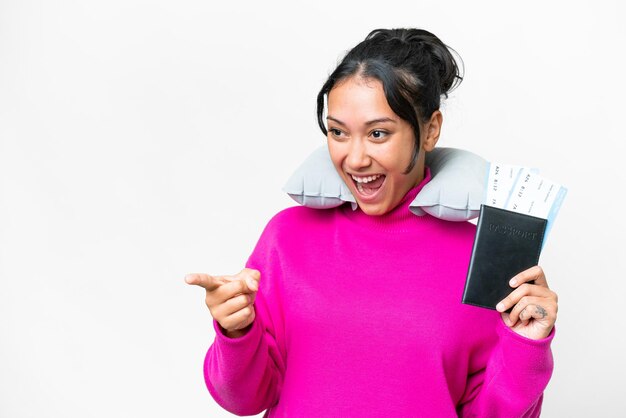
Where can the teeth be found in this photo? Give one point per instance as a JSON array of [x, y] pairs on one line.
[[366, 179]]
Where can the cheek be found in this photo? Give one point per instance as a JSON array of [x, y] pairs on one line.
[[335, 156], [390, 158], [400, 156]]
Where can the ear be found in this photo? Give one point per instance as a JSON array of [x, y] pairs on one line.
[[433, 130]]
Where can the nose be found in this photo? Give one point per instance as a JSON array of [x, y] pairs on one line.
[[358, 155]]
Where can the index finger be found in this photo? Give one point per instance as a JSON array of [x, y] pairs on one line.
[[534, 273], [207, 281]]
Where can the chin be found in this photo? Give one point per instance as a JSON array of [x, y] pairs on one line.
[[373, 211]]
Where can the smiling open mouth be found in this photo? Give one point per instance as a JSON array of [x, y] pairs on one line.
[[371, 187]]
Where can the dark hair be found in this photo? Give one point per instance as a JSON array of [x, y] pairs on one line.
[[414, 67]]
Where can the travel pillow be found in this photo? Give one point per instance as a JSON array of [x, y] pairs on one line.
[[454, 193]]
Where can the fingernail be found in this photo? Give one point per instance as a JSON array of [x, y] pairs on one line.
[[500, 306], [188, 279], [252, 284], [513, 282]]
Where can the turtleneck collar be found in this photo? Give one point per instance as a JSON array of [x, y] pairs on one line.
[[396, 218]]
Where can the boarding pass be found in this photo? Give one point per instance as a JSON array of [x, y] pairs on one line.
[[522, 189]]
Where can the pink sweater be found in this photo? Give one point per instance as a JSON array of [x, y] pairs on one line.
[[361, 316]]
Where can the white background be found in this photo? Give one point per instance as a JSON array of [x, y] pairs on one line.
[[143, 140]]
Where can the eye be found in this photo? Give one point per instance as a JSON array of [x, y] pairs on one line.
[[334, 131], [379, 134]]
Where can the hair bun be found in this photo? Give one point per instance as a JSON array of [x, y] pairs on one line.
[[447, 69]]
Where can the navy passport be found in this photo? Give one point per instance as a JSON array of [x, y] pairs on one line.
[[506, 243]]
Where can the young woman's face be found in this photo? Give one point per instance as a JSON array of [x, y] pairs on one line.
[[367, 140]]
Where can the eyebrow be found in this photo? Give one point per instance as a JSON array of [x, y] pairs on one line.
[[385, 119]]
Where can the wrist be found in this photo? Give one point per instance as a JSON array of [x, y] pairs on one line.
[[236, 333]]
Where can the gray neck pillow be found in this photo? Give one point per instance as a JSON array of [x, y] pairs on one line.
[[454, 193]]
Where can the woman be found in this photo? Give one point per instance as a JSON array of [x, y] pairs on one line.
[[343, 313]]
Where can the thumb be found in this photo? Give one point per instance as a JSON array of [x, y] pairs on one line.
[[251, 277]]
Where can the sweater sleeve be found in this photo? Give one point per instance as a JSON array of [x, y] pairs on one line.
[[513, 380], [244, 375]]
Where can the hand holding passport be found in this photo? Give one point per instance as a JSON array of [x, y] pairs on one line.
[[512, 227]]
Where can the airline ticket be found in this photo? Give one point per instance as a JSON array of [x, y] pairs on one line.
[[522, 189]]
